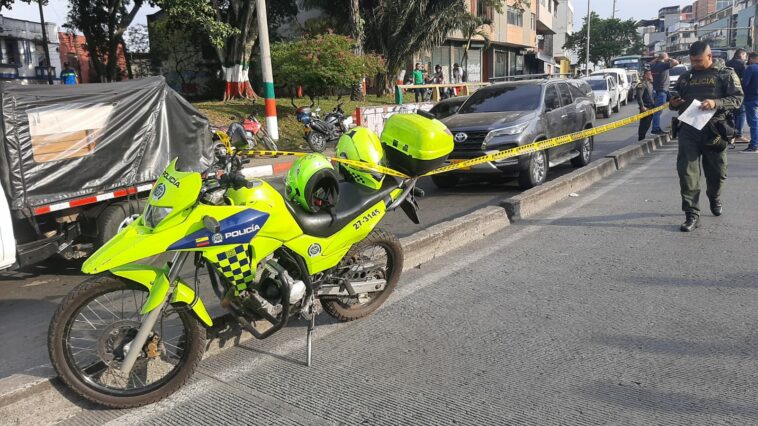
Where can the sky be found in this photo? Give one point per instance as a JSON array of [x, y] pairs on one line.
[[56, 11], [625, 9]]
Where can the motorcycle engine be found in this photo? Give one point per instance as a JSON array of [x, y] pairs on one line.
[[274, 278]]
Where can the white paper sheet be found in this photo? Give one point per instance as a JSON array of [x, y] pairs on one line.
[[696, 117]]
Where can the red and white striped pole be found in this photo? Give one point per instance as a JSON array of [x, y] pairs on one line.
[[268, 77]]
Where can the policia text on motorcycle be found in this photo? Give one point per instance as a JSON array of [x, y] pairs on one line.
[[717, 87]]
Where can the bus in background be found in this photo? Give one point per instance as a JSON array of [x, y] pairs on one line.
[[631, 62]]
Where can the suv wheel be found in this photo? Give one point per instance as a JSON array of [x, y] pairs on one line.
[[617, 107], [536, 171], [445, 181], [585, 153]]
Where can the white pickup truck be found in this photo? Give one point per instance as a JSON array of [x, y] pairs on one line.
[[75, 161]]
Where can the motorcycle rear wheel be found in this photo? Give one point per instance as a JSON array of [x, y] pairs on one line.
[[379, 247], [89, 334]]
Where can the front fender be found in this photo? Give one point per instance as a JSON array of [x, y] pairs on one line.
[[156, 281]]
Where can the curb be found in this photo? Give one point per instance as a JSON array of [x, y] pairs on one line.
[[535, 200], [539, 198], [267, 170]]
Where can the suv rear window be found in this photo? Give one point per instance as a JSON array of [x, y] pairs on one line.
[[565, 95], [525, 97], [576, 90]]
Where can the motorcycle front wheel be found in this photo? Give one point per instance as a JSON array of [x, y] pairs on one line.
[[378, 257], [267, 141], [90, 334], [317, 141]]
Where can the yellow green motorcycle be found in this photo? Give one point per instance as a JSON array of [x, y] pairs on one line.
[[135, 332]]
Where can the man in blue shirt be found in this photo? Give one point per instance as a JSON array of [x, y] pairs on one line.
[[750, 87], [68, 75]]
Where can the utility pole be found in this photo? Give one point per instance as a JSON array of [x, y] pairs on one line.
[[44, 43], [587, 63], [268, 76], [613, 12]]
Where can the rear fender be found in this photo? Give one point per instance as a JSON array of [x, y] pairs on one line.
[[156, 281]]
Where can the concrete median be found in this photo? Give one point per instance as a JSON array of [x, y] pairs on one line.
[[539, 198]]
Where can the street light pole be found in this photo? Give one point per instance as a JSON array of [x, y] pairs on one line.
[[44, 42], [268, 76], [587, 59]]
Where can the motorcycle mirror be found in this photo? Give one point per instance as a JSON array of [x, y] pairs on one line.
[[211, 224]]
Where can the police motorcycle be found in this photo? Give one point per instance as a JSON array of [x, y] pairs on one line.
[[134, 332]]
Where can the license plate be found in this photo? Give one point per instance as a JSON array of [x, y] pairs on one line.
[[460, 161]]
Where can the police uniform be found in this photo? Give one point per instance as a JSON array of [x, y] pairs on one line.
[[722, 85]]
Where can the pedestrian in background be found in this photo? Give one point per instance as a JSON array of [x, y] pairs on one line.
[[660, 68], [418, 79], [750, 87], [717, 88], [68, 75], [737, 63], [439, 78], [645, 100]]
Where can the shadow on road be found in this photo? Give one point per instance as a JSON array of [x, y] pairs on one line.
[[616, 221]]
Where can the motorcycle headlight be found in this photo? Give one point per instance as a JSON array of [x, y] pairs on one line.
[[512, 130], [154, 215]]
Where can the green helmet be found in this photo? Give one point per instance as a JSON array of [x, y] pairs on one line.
[[361, 144], [312, 182]]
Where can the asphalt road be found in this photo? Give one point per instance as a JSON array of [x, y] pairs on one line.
[[598, 311], [28, 298]]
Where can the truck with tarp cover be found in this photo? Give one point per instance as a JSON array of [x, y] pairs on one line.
[[75, 160]]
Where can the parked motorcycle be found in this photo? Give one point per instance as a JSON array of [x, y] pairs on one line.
[[245, 134], [134, 332], [318, 132]]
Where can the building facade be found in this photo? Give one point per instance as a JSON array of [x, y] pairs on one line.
[[22, 52], [564, 26]]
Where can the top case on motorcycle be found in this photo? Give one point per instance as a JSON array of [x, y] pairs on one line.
[[353, 200]]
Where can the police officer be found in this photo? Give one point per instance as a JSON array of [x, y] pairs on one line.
[[718, 88]]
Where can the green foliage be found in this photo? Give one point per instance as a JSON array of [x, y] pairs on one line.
[[103, 23], [321, 63], [608, 38], [203, 15]]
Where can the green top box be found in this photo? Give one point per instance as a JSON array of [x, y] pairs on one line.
[[415, 144]]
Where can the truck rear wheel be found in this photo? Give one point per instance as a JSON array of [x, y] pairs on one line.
[[116, 217]]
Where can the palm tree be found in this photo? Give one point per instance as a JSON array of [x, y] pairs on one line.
[[473, 26], [398, 29]]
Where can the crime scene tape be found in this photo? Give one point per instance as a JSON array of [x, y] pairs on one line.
[[502, 155]]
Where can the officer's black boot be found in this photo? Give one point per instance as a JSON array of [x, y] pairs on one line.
[[716, 207], [691, 222]]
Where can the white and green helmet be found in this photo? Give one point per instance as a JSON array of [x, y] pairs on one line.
[[361, 144]]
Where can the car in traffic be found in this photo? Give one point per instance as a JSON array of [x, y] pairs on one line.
[[619, 74], [507, 115], [606, 94], [447, 107], [675, 72]]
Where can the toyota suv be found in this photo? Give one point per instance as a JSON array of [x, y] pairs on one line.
[[507, 115]]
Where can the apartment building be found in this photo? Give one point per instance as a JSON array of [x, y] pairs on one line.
[[22, 53], [564, 26]]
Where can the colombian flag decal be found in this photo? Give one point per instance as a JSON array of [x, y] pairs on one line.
[[202, 242]]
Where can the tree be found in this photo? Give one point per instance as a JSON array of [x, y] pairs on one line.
[[179, 47], [232, 29], [103, 23], [321, 64], [609, 38]]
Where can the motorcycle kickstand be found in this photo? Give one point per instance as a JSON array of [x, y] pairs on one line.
[[309, 335]]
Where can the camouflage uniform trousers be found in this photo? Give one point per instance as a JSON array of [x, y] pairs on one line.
[[692, 152]]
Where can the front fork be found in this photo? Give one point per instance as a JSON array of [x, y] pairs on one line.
[[136, 345]]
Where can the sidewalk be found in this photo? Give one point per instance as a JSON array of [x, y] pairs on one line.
[[595, 311]]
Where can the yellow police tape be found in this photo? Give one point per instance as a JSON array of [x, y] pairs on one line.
[[502, 155]]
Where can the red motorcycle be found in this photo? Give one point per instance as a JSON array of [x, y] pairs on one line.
[[248, 133]]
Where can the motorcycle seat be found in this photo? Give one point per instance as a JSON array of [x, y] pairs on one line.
[[353, 200]]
